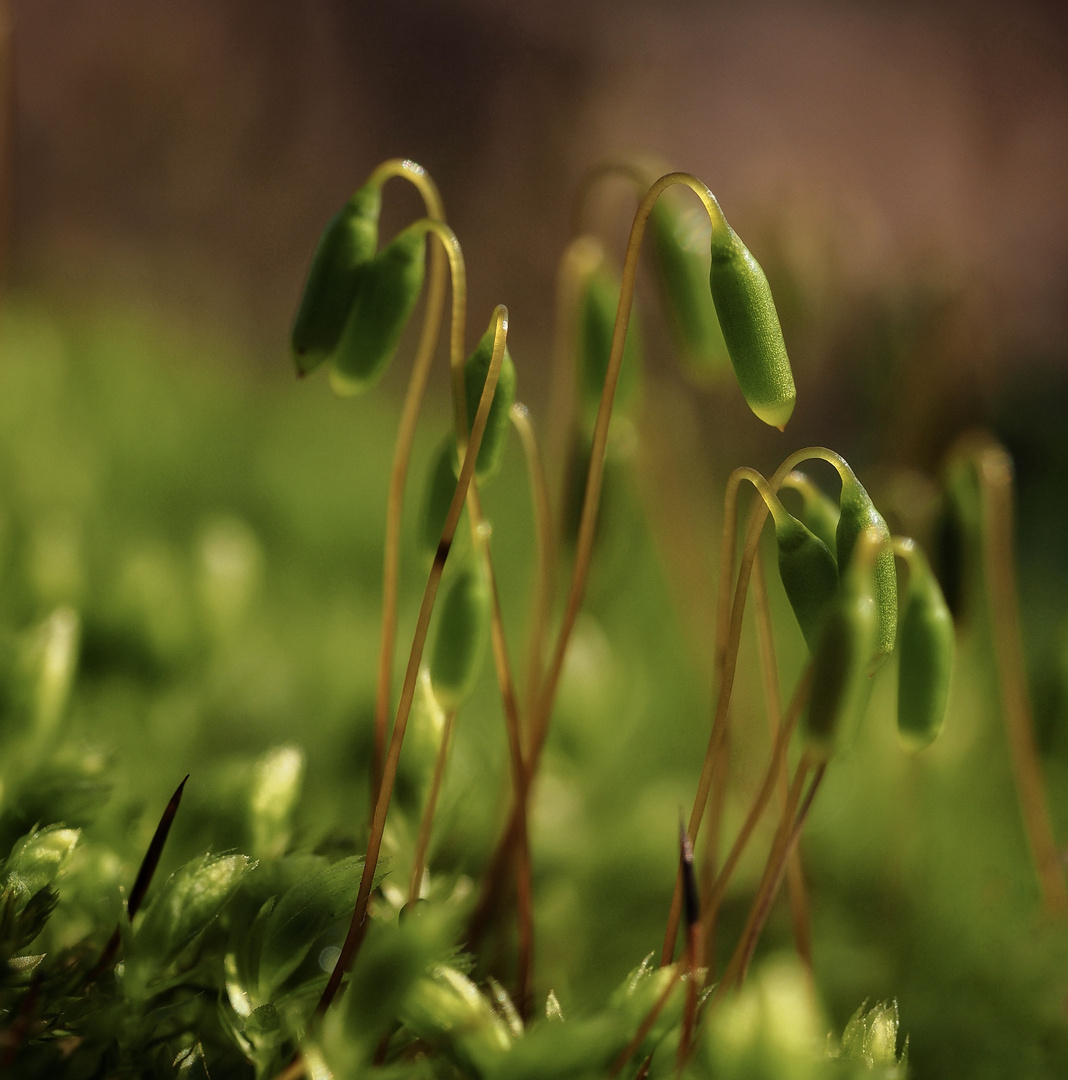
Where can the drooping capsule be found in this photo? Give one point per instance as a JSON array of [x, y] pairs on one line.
[[925, 656], [681, 243], [597, 319], [841, 686], [809, 574], [346, 245], [858, 514], [441, 485], [476, 369], [389, 287], [463, 628], [819, 512], [750, 326]]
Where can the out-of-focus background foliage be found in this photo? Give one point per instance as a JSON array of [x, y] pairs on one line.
[[899, 170]]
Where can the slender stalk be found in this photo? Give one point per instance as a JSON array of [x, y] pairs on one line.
[[588, 521], [595, 475], [795, 880], [719, 767], [506, 687], [721, 763], [757, 516], [789, 849], [628, 170], [768, 883], [994, 468], [545, 574], [402, 447], [426, 823], [577, 262], [480, 532], [717, 800], [760, 802], [357, 926]]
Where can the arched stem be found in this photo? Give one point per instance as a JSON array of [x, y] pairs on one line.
[[357, 926], [993, 468], [539, 720], [445, 255], [757, 516], [545, 572], [595, 475]]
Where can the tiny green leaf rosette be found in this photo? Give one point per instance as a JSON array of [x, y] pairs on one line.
[[841, 685], [597, 320], [463, 629], [680, 241], [808, 572], [750, 326], [346, 245], [858, 514], [389, 287], [925, 656], [496, 432]]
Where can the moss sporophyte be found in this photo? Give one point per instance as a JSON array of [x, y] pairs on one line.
[[844, 595], [234, 963]]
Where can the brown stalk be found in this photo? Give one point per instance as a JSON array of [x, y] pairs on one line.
[[994, 468], [795, 879], [357, 926], [402, 448]]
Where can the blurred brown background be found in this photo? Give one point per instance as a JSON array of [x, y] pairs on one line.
[[900, 169]]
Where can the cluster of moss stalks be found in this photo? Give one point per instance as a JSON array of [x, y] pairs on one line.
[[265, 820]]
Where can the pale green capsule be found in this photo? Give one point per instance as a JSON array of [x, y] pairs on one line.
[[475, 371], [809, 574], [463, 629], [681, 243], [925, 661], [841, 685], [440, 488], [818, 511], [857, 513], [750, 326], [389, 287], [597, 319], [346, 245]]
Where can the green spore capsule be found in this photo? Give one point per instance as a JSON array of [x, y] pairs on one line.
[[440, 488], [750, 326], [475, 371], [858, 513], [463, 628], [346, 245], [809, 574], [925, 657], [841, 685], [597, 320], [818, 511], [681, 243], [389, 287]]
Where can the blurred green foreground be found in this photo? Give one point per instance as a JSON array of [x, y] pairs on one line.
[[198, 549]]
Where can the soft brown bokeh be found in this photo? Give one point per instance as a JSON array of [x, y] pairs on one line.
[[884, 159]]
